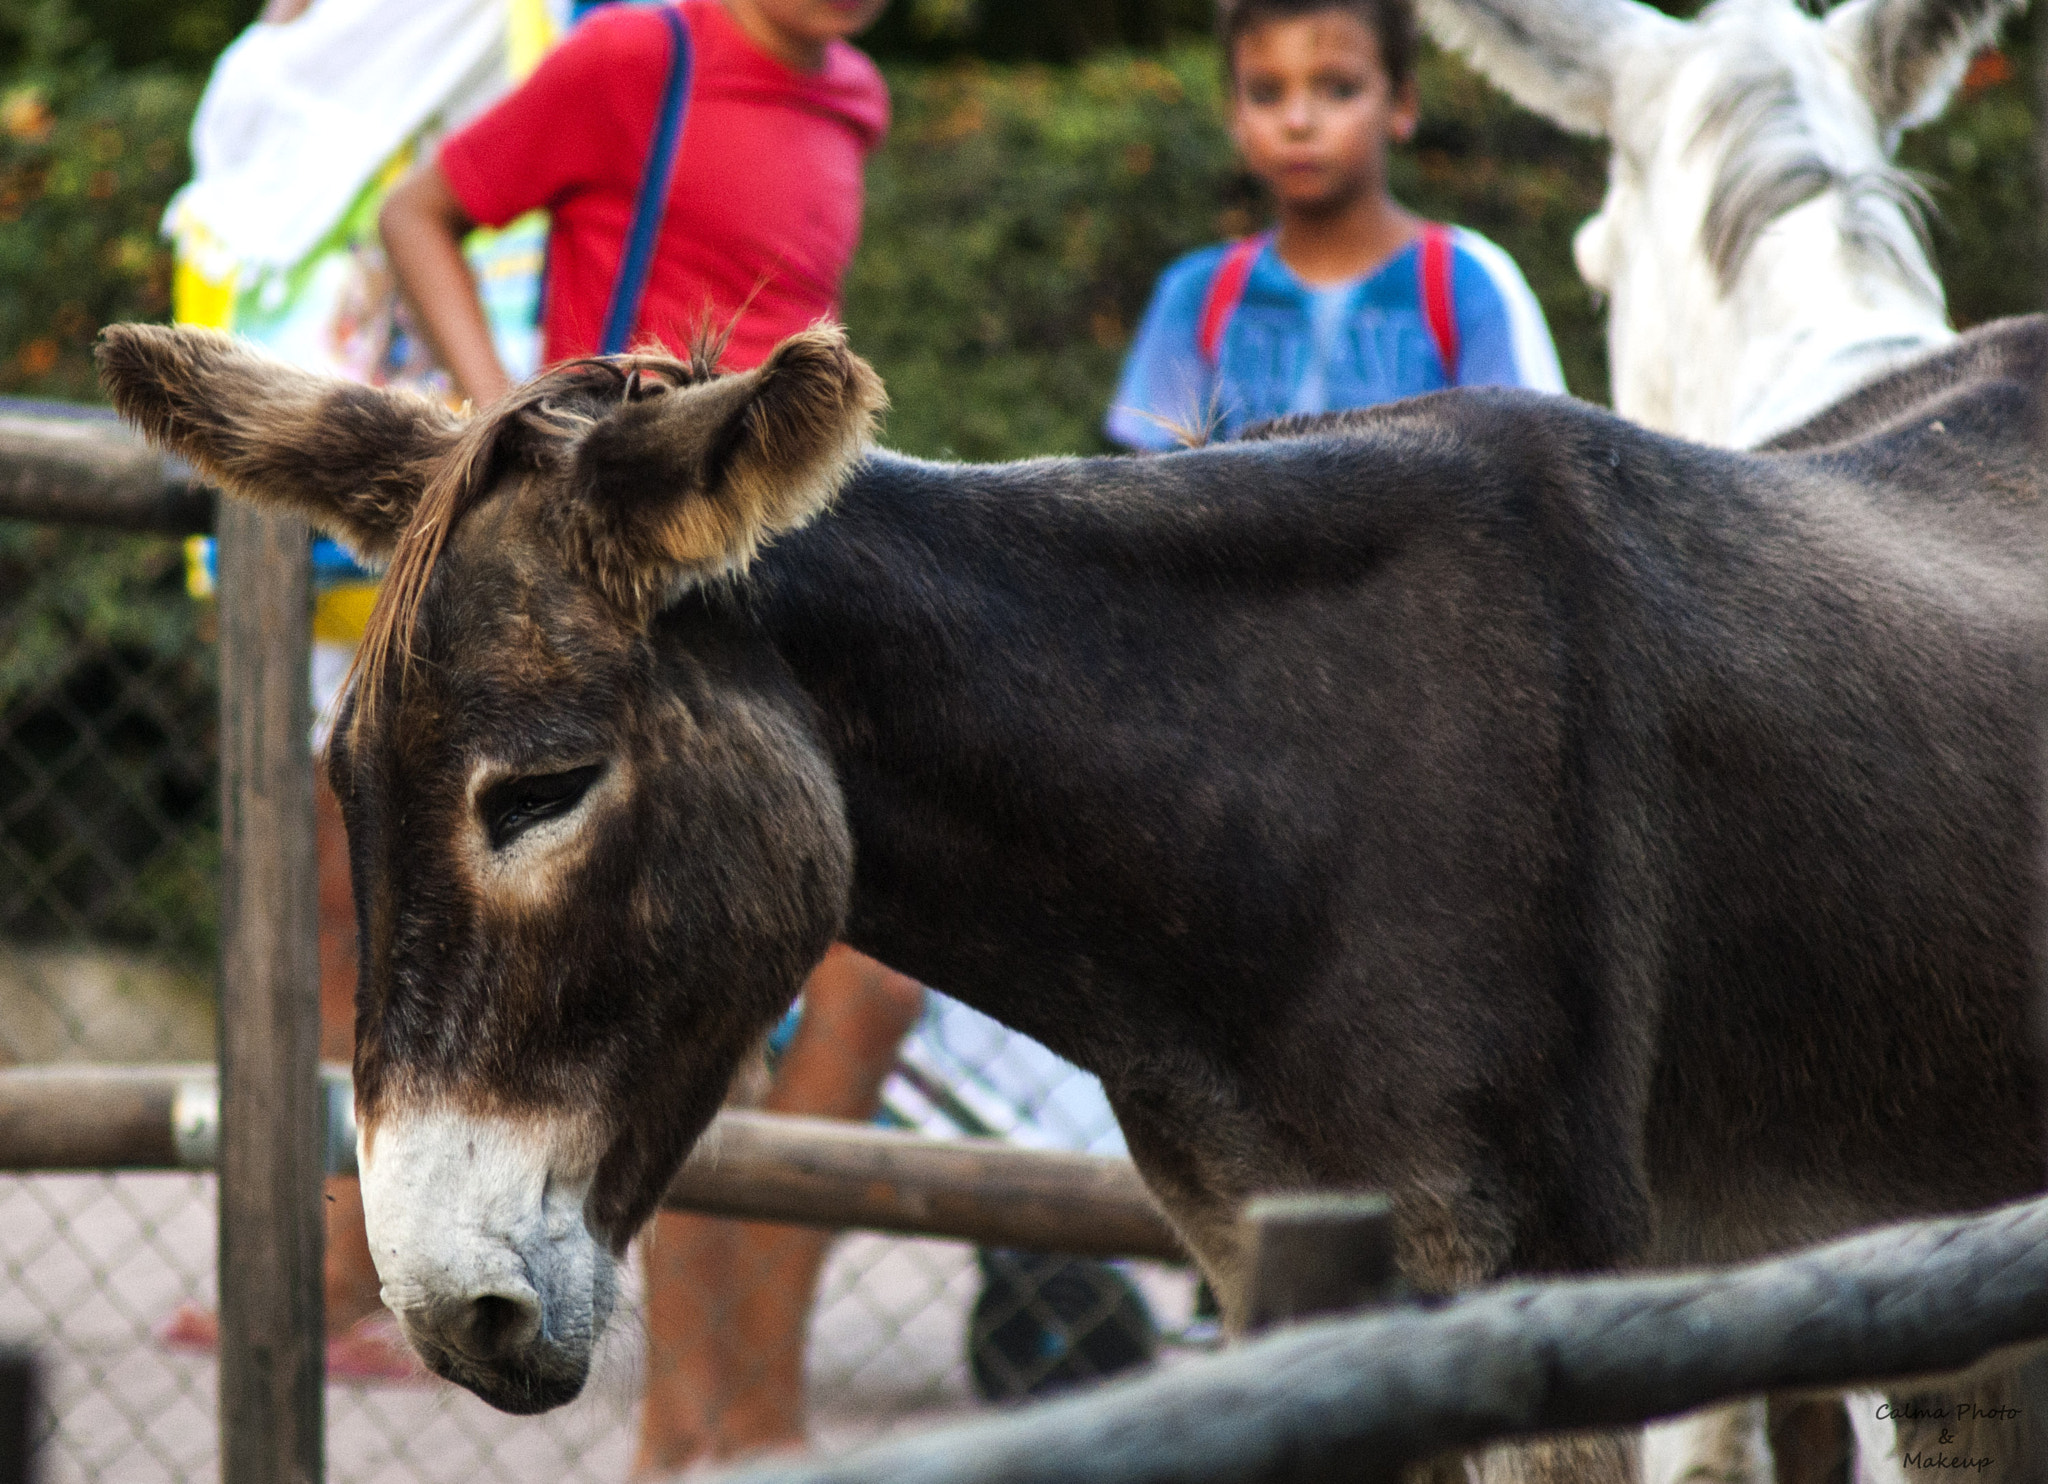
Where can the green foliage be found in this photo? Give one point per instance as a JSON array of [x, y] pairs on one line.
[[1016, 220], [62, 590], [1981, 164], [1018, 217], [1481, 162], [182, 35], [106, 776], [1055, 31], [88, 158], [106, 686]]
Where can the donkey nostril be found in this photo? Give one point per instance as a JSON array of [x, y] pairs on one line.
[[496, 1325]]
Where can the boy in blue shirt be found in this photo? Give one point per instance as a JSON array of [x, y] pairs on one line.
[[1351, 299]]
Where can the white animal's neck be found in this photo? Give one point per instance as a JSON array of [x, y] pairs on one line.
[[1822, 298], [1807, 322]]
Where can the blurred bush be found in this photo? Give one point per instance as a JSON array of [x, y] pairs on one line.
[[1481, 162], [1982, 163], [179, 35], [1016, 219], [106, 694], [107, 715], [88, 157]]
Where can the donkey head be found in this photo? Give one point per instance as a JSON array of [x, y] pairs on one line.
[[1755, 230], [596, 844]]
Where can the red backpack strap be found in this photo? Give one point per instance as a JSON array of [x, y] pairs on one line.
[[1226, 289], [1439, 310]]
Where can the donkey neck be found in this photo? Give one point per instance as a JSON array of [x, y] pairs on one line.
[[1018, 673]]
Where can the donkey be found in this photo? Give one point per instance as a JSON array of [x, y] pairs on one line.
[[1621, 851], [1760, 252]]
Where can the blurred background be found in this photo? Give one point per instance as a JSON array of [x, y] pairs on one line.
[[1048, 158]]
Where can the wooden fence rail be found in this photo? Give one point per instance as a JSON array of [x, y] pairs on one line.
[[71, 465], [1360, 1399], [759, 1166]]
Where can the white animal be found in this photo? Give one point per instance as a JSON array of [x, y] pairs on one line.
[[1760, 251], [1761, 256]]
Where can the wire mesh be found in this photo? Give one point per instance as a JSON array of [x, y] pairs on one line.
[[109, 859]]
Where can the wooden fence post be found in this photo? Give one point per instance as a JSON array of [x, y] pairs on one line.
[[18, 1398], [272, 1352], [1320, 1254], [1317, 1254]]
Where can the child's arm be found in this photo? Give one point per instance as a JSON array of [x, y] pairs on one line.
[[423, 226], [1502, 337]]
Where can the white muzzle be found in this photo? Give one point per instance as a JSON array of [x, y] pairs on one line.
[[477, 1229]]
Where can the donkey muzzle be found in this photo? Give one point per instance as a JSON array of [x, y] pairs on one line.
[[476, 1225]]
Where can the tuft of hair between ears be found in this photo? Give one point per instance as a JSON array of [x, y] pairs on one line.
[[681, 485]]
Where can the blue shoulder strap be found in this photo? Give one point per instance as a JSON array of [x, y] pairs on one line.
[[630, 286]]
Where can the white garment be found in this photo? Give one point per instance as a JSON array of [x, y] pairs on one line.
[[1328, 309], [999, 1082], [297, 118]]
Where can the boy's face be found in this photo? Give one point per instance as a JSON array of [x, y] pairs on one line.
[[1313, 109]]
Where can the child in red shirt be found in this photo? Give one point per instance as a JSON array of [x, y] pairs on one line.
[[764, 205], [761, 219]]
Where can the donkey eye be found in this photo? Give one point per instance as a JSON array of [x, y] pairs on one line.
[[512, 807]]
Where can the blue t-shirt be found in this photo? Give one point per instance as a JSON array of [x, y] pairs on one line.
[[1291, 348]]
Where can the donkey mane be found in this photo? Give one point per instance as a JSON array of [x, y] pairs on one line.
[[532, 427], [1773, 159]]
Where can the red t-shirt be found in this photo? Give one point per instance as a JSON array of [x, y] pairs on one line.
[[766, 200]]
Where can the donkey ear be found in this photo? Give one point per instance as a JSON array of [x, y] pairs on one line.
[[349, 458], [1909, 56], [680, 485], [1561, 58]]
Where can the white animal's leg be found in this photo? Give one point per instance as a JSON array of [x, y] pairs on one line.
[[1724, 1445], [1877, 1441]]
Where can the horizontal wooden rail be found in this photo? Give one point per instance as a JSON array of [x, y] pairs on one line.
[[101, 1118], [73, 465], [757, 1166], [1360, 1399], [816, 1172]]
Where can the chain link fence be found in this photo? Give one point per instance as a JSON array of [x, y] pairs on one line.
[[109, 858]]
